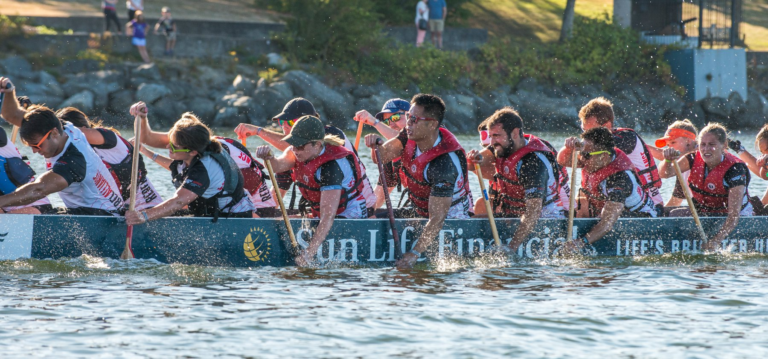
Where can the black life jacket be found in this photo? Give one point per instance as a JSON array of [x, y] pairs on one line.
[[233, 188]]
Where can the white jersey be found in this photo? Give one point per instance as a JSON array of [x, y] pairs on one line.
[[90, 183], [641, 162], [9, 150], [368, 193], [206, 179], [464, 203], [262, 197]]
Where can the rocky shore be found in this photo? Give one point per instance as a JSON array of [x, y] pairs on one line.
[[225, 99]]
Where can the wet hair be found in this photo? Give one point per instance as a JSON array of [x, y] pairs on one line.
[[38, 121], [716, 129], [762, 135], [601, 137], [190, 133], [434, 106], [685, 124], [599, 108], [508, 118], [80, 119]]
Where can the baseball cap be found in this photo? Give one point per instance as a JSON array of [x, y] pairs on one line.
[[393, 105], [305, 130], [296, 108], [673, 133]]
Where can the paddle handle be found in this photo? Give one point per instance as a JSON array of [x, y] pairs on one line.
[[390, 211], [488, 208], [359, 134], [687, 192], [14, 133], [128, 251], [572, 197], [280, 202]]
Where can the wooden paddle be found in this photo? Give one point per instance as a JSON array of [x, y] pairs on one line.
[[360, 125], [14, 134], [390, 211], [128, 251], [282, 205], [572, 199], [487, 202], [687, 192]]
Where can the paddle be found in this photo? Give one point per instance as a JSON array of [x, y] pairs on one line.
[[128, 251], [687, 192], [359, 133], [282, 205], [487, 202], [572, 199], [390, 211]]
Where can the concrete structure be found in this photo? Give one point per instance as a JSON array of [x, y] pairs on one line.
[[710, 73], [622, 13]]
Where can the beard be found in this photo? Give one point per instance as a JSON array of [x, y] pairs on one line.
[[504, 152]]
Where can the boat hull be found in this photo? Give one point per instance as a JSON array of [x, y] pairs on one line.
[[263, 242]]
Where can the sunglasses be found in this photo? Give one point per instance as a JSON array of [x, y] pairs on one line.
[[587, 156], [288, 122], [412, 119], [174, 150], [37, 146], [395, 117]]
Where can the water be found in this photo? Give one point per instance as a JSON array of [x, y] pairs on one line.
[[670, 306]]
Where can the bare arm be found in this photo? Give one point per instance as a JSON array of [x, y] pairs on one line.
[[487, 164], [656, 152], [389, 150], [527, 221], [666, 169], [751, 162], [163, 161], [329, 204], [608, 217], [735, 198], [180, 199], [438, 212], [46, 184], [11, 110], [93, 136]]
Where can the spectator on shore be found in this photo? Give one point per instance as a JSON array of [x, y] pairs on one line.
[[422, 21], [110, 15], [169, 29], [134, 6], [438, 9], [137, 29]]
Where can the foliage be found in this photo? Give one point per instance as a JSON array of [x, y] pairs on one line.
[[11, 26], [268, 75], [93, 54]]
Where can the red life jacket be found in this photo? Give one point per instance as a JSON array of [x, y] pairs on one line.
[[590, 182], [709, 193], [510, 191], [419, 189], [304, 177], [649, 167], [252, 175]]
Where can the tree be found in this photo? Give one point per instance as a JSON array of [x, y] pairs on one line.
[[567, 28]]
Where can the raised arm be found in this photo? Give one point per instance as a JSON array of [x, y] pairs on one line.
[[389, 150], [11, 111], [565, 155], [485, 158], [275, 139], [666, 169], [148, 137], [383, 129]]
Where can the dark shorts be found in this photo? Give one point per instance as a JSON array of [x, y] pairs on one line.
[[268, 212]]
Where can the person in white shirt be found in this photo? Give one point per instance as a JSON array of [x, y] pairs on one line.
[[422, 21]]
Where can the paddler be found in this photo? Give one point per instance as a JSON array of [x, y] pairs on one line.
[[389, 122], [528, 179], [680, 135], [206, 178], [599, 113], [75, 171], [435, 168], [293, 110], [610, 182], [327, 174], [718, 180], [117, 154]]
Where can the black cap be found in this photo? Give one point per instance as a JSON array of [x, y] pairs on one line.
[[295, 109], [305, 130]]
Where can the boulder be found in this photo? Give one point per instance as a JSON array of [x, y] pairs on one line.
[[283, 88], [716, 106], [203, 108], [412, 89], [100, 83], [120, 101], [460, 113], [150, 93], [228, 116], [83, 101], [40, 98], [338, 107], [249, 108], [51, 84], [78, 66], [148, 72], [210, 77], [243, 84], [543, 112], [271, 101], [277, 61], [227, 100], [737, 104], [757, 105], [17, 68], [491, 102], [167, 111], [179, 89]]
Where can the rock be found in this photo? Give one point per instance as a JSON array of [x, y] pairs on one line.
[[227, 100], [337, 106], [757, 105], [227, 116], [490, 103], [460, 113], [43, 99], [738, 107], [147, 72], [412, 89], [542, 112], [51, 84], [179, 89], [167, 111], [100, 83], [261, 84], [120, 102], [528, 84], [716, 106], [83, 101], [283, 88], [254, 112], [363, 91], [203, 108], [243, 84], [211, 77], [78, 66], [17, 68], [150, 93], [277, 61], [271, 101]]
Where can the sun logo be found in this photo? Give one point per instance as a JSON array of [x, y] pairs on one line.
[[257, 245]]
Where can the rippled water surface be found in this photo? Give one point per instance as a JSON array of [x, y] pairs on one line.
[[658, 307]]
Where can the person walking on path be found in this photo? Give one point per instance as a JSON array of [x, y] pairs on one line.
[[134, 6], [137, 29], [169, 29], [110, 15], [422, 21], [438, 9]]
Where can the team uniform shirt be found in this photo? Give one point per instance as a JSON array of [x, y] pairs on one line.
[[115, 151], [623, 187], [631, 144], [206, 179], [339, 174], [446, 178], [91, 185], [9, 150], [263, 197], [737, 175]]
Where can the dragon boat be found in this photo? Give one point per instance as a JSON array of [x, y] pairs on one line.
[[264, 242]]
